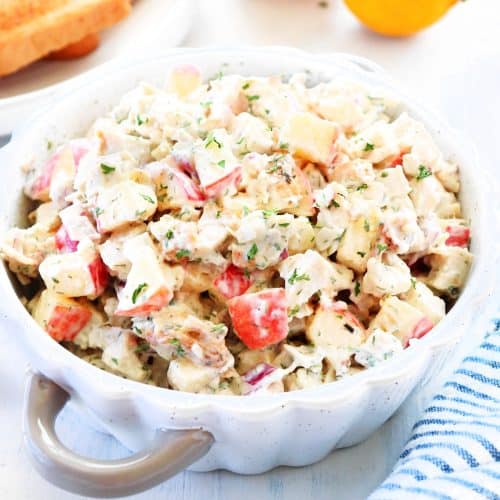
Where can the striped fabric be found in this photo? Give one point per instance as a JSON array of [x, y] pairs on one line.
[[454, 452]]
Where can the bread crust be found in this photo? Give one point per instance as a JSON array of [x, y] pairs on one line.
[[69, 22]]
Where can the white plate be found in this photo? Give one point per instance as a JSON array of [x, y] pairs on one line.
[[151, 25]]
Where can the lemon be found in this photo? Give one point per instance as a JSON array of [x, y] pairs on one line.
[[398, 17]]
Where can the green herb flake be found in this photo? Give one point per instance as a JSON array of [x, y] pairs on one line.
[[179, 350], [246, 85], [413, 283], [366, 225], [142, 348], [222, 163], [284, 145], [107, 169], [294, 310], [141, 121], [361, 254], [55, 280], [211, 139], [252, 252], [384, 174], [183, 252], [169, 234], [98, 211], [251, 98], [115, 361], [362, 187], [140, 288], [423, 172], [381, 247], [357, 288], [283, 224], [269, 213], [148, 198], [368, 147], [298, 277]]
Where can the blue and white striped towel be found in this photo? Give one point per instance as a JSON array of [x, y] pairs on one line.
[[454, 452]]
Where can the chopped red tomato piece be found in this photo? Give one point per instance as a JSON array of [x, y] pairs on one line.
[[232, 179], [65, 322], [233, 282], [63, 242], [458, 236], [422, 327], [260, 319], [398, 160]]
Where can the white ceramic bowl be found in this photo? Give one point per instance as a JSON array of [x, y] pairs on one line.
[[251, 434]]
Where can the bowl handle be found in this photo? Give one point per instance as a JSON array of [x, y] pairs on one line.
[[168, 454]]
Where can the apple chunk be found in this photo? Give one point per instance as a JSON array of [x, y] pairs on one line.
[[150, 283], [310, 137], [75, 274], [61, 317]]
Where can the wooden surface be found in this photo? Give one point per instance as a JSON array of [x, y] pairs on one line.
[[450, 65]]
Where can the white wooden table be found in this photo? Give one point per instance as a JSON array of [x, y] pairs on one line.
[[452, 66]]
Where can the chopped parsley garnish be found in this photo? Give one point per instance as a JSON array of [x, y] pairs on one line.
[[252, 252], [342, 234], [183, 252], [268, 213], [107, 169], [115, 361], [252, 97], [169, 234], [366, 225], [423, 172], [211, 139], [368, 147], [179, 350], [298, 277], [246, 211], [218, 329], [381, 247], [361, 254], [283, 224], [138, 291], [55, 280], [413, 283], [246, 85], [334, 204], [222, 163], [49, 145], [362, 187], [148, 198], [98, 211], [357, 288], [246, 272], [142, 348], [384, 174], [294, 310], [141, 121], [284, 145]]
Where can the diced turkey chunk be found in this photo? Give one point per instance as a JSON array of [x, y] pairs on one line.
[[177, 334], [357, 241], [309, 273], [310, 137], [428, 195], [251, 134], [75, 274], [421, 297], [184, 375], [279, 185], [401, 319], [449, 268], [386, 274], [378, 347], [61, 317], [261, 240], [150, 283], [338, 332], [25, 249], [124, 203], [112, 250], [190, 240], [118, 351]]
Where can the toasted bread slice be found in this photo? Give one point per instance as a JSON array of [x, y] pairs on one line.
[[31, 29], [78, 49]]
